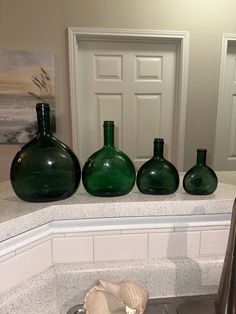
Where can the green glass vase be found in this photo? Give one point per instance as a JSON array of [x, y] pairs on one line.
[[108, 172], [44, 169], [200, 179], [158, 176]]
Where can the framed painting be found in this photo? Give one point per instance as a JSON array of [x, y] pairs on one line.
[[26, 78]]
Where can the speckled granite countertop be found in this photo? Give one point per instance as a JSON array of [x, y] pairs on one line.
[[17, 216], [63, 286]]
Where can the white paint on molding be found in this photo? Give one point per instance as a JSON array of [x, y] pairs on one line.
[[81, 226]]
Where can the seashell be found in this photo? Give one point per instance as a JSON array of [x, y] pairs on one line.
[[95, 301], [131, 294], [101, 302], [126, 294]]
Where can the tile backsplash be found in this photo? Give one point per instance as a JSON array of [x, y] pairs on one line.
[[113, 245], [25, 265]]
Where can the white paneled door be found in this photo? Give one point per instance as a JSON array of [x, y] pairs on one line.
[[227, 139], [132, 83]]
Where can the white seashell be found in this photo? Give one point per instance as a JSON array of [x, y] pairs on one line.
[[95, 302], [129, 310], [131, 294], [98, 301]]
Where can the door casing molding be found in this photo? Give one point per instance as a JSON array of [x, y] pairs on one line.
[[76, 34], [227, 38]]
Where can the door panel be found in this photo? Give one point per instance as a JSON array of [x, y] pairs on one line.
[[133, 84], [232, 142], [227, 158], [109, 107], [149, 113]]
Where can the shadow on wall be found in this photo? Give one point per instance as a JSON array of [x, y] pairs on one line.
[[189, 275]]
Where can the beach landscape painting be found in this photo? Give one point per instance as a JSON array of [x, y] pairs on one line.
[[26, 78]]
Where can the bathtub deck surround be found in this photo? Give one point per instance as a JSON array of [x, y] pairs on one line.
[[70, 244], [17, 216], [65, 285]]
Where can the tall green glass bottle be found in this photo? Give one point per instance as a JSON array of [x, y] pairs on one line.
[[108, 172], [45, 169], [200, 179], [157, 175]]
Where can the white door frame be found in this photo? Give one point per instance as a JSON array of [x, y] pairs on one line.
[[226, 39], [76, 34]]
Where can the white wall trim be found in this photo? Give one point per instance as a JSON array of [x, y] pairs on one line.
[[77, 226], [75, 34], [226, 39]]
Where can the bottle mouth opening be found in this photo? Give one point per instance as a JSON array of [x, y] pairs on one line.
[[108, 123], [42, 106], [201, 150], [158, 140]]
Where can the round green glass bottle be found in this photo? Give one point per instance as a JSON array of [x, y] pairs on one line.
[[108, 172], [44, 169], [158, 176], [200, 179]]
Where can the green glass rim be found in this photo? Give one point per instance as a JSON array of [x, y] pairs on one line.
[[158, 140], [42, 105], [202, 150], [108, 123]]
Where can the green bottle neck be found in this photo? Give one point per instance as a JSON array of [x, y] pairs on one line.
[[201, 156], [108, 128], [43, 119], [158, 148]]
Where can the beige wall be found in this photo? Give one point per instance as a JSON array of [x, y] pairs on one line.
[[41, 26]]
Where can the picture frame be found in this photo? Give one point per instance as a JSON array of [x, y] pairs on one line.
[[26, 78]]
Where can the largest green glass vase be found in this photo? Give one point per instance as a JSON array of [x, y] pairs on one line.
[[108, 172], [45, 169]]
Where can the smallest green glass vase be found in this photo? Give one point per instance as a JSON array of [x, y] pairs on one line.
[[200, 179]]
